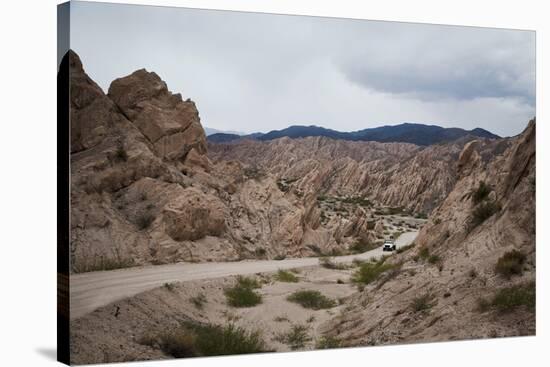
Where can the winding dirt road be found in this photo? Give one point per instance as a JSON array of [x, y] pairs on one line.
[[90, 291]]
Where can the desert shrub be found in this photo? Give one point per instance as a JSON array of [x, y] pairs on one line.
[[295, 338], [422, 303], [199, 300], [169, 287], [328, 342], [144, 220], [511, 263], [510, 298], [253, 173], [479, 194], [243, 294], [179, 344], [424, 253], [260, 252], [484, 211], [215, 340], [311, 299], [421, 215], [104, 263], [437, 221], [434, 259], [370, 271], [194, 340], [340, 281], [472, 273], [279, 257], [281, 319], [286, 276]]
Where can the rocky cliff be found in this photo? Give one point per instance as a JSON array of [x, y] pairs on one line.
[[143, 190], [393, 174], [471, 273]]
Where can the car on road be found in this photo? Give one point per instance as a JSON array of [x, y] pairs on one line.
[[389, 245]]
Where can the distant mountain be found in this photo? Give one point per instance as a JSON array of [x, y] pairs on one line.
[[418, 134], [210, 131]]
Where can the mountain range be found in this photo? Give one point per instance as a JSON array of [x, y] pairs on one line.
[[418, 134]]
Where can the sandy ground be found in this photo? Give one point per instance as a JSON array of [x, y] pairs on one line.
[[90, 291]]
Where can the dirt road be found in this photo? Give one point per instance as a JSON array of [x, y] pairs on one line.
[[90, 291]]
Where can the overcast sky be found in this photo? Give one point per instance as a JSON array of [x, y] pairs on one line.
[[258, 72]]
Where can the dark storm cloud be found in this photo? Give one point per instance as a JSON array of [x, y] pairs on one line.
[[258, 72], [427, 61]]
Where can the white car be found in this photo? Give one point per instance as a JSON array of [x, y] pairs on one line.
[[389, 245]]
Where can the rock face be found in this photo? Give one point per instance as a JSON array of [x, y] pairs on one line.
[[170, 124], [444, 288], [393, 174]]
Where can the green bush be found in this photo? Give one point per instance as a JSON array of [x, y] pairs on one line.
[[195, 340], [179, 344], [296, 337], [169, 286], [424, 253], [422, 303], [286, 276], [328, 342], [311, 299], [484, 211], [243, 294], [479, 194], [511, 263], [370, 271], [434, 259], [508, 299], [199, 300]]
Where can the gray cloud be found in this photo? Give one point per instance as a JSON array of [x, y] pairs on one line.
[[257, 72]]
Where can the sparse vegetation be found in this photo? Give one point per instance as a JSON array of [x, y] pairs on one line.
[[511, 263], [484, 211], [510, 298], [169, 287], [279, 257], [199, 300], [281, 319], [286, 276], [328, 342], [422, 303], [253, 173], [311, 299], [481, 193], [368, 272], [243, 294], [434, 259], [296, 337], [194, 340], [103, 263], [424, 253]]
